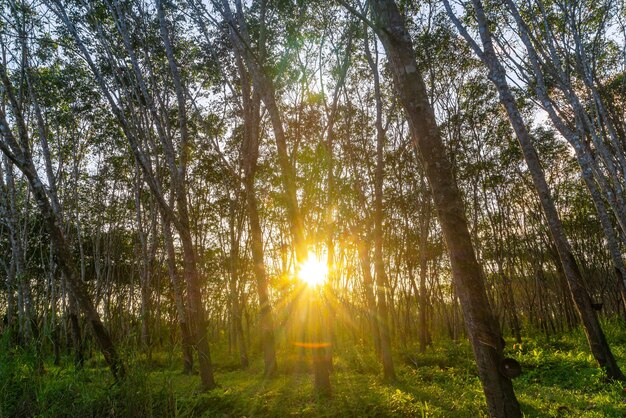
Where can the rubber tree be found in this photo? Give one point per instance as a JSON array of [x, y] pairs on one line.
[[176, 157], [497, 74], [241, 42], [482, 328], [19, 152]]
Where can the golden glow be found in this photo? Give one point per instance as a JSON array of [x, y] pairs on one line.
[[313, 271]]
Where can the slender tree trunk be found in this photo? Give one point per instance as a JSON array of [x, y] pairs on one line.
[[423, 248], [10, 269], [250, 150], [178, 173], [379, 264], [143, 271], [196, 309], [264, 86], [19, 153], [77, 341], [177, 286], [54, 322], [235, 304], [593, 330], [319, 323], [370, 298], [484, 332], [379, 267], [266, 316]]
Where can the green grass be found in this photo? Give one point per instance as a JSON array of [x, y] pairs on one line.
[[559, 380]]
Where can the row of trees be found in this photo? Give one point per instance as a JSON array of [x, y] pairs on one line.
[[168, 166]]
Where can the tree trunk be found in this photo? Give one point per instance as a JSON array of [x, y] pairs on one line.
[[379, 264], [240, 39], [183, 321], [77, 342], [370, 298], [484, 332], [143, 271], [250, 151], [19, 153], [235, 305], [196, 309], [178, 173], [423, 248], [10, 269], [595, 335]]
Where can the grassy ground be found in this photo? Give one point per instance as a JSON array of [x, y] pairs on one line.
[[559, 380]]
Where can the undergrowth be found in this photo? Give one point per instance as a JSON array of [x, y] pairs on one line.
[[559, 379]]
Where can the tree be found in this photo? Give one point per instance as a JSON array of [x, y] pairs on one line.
[[497, 74], [481, 327]]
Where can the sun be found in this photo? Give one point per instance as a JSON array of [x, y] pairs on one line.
[[313, 272]]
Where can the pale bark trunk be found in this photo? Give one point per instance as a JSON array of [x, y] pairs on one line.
[[484, 332], [75, 333], [423, 248], [379, 264], [591, 324], [12, 308], [265, 307], [264, 86], [370, 298], [21, 157], [143, 271], [250, 152], [235, 304], [177, 287]]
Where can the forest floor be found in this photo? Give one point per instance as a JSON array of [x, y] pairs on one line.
[[559, 379]]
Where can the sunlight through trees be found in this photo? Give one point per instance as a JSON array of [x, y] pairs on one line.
[[336, 208], [313, 271]]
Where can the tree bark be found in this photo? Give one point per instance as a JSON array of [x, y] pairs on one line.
[[177, 287], [240, 39], [22, 159], [251, 102], [379, 264], [235, 304], [593, 330], [484, 332], [370, 298], [423, 248]]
